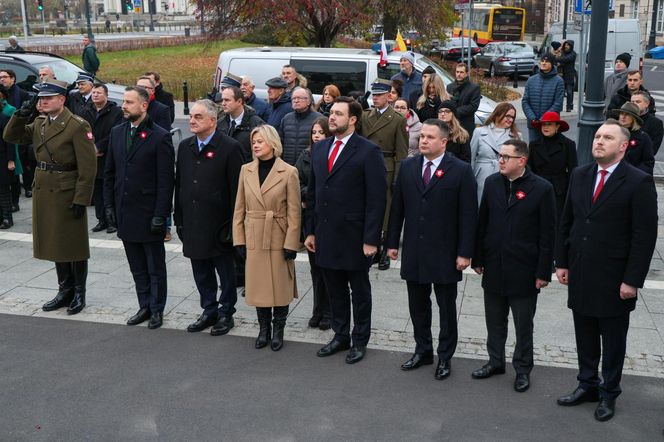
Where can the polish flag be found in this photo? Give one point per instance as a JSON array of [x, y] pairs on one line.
[[383, 51]]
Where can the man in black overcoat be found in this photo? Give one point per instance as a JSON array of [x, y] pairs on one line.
[[433, 202], [345, 208], [206, 180], [514, 255], [607, 237], [138, 193], [159, 113]]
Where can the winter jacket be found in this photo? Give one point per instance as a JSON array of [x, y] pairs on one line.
[[261, 106], [613, 83], [101, 123], [639, 151], [90, 59], [654, 128], [566, 63], [165, 98], [242, 132], [411, 83], [295, 133], [414, 127], [467, 97], [279, 110], [543, 93], [622, 96]]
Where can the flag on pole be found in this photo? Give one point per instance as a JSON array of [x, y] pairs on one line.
[[383, 51], [400, 43]]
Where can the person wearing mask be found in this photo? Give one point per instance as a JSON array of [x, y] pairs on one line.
[[321, 316], [651, 124], [258, 104], [267, 229], [467, 97], [566, 64], [544, 92], [408, 75], [330, 93], [459, 140], [486, 142], [413, 125], [279, 99], [295, 128], [618, 79], [639, 148], [428, 103]]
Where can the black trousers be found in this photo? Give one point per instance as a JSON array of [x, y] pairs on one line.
[[321, 298], [16, 189], [207, 284], [337, 283], [569, 93], [98, 200], [147, 262], [496, 311], [419, 305], [5, 202], [28, 162], [605, 338]]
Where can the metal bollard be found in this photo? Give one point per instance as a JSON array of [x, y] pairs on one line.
[[516, 77], [185, 97]]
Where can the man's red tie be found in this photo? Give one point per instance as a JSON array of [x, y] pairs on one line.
[[600, 185], [333, 155]]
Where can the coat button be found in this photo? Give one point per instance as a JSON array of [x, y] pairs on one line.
[[585, 238], [195, 181], [125, 193], [587, 221], [198, 162], [421, 218]]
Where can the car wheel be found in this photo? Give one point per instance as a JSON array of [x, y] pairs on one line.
[[492, 70]]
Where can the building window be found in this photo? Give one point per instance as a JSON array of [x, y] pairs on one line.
[[635, 8], [621, 11], [660, 16]]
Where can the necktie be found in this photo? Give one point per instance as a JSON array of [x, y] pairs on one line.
[[231, 127], [130, 142], [600, 185], [426, 177], [333, 155], [201, 147], [132, 132]]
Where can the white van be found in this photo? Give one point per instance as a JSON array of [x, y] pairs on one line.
[[623, 35], [349, 69]]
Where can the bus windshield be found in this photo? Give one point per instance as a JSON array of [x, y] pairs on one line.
[[507, 22]]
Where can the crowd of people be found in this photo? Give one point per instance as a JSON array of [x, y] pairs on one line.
[[354, 185]]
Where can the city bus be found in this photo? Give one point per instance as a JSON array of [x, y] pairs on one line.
[[492, 22]]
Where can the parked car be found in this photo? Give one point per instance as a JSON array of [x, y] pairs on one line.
[[500, 58], [451, 49]]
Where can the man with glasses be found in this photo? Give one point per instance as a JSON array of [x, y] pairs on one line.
[[159, 113], [295, 128], [544, 92], [514, 255]]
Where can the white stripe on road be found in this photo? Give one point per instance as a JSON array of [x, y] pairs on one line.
[[654, 68]]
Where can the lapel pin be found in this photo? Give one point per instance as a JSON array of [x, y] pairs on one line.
[[632, 143], [440, 173], [143, 135], [209, 155], [520, 195], [89, 136]]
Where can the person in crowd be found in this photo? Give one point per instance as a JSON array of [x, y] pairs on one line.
[[258, 104], [267, 229], [624, 95], [385, 127], [467, 97], [295, 128], [434, 204], [651, 124], [46, 73], [544, 92], [7, 177], [428, 103], [13, 45], [64, 181], [606, 241], [238, 119], [291, 77], [160, 94], [408, 75], [514, 255], [159, 113], [89, 56], [639, 149], [330, 93], [427, 73], [459, 140], [138, 193], [413, 125], [396, 92], [321, 316], [105, 115], [486, 142], [566, 64], [556, 48], [616, 81], [279, 99], [16, 96], [15, 186], [208, 163], [553, 157], [80, 101], [345, 209]]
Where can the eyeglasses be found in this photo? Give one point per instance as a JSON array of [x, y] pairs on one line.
[[506, 157], [511, 117], [444, 111], [4, 76]]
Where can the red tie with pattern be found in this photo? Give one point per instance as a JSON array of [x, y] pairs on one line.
[[333, 155], [600, 185]]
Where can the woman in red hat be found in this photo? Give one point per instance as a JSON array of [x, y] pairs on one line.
[[639, 150], [553, 156]]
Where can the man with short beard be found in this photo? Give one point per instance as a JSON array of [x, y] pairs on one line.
[[138, 192]]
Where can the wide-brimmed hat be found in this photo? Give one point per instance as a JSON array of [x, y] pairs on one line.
[[629, 109], [551, 117]]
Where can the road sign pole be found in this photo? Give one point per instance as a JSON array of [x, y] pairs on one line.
[[26, 31], [470, 31]]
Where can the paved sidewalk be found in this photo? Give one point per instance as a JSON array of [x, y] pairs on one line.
[[28, 283]]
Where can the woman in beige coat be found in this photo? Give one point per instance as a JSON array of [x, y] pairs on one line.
[[266, 229]]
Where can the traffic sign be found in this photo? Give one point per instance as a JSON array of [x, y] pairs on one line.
[[585, 6], [461, 5]]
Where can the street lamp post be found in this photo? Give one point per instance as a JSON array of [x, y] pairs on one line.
[[653, 25], [151, 5], [91, 36]]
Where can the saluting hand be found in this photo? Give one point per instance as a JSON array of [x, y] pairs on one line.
[[627, 291]]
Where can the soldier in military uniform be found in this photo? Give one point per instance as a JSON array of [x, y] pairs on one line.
[[387, 128], [62, 189]]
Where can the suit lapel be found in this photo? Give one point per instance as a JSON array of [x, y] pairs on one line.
[[253, 182], [141, 137], [439, 174], [417, 173], [521, 192], [346, 153], [588, 185], [612, 184], [380, 121], [53, 128]]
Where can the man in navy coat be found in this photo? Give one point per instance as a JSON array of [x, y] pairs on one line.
[[345, 208], [433, 201], [607, 237], [138, 193], [158, 112], [514, 255]]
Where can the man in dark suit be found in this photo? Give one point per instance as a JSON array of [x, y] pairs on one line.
[[206, 180], [161, 95], [159, 113], [514, 255], [345, 208], [607, 237], [467, 96], [433, 202], [138, 192]]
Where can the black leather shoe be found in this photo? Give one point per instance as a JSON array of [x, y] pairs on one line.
[[204, 321], [6, 224], [417, 360], [486, 371], [141, 316], [314, 321], [443, 369], [384, 261], [325, 324], [99, 227], [111, 229], [156, 320], [28, 193], [577, 397], [60, 300], [356, 354], [605, 409], [331, 348], [522, 382], [77, 304], [223, 326]]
